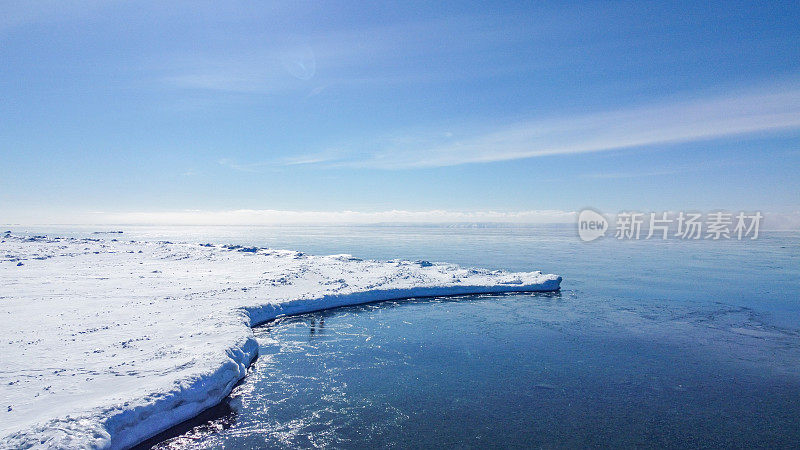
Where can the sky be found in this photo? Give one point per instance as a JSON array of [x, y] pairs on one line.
[[260, 112]]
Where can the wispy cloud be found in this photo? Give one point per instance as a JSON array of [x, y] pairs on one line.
[[379, 55], [248, 167], [673, 170], [646, 126], [325, 157], [262, 71]]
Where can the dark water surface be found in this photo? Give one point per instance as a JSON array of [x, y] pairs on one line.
[[649, 343], [517, 370]]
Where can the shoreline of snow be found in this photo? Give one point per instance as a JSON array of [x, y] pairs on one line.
[[209, 370], [249, 352]]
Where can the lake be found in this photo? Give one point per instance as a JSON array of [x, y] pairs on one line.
[[649, 343]]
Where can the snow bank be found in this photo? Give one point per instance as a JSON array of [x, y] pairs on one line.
[[106, 343]]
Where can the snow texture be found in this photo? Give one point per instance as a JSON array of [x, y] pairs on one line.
[[105, 343]]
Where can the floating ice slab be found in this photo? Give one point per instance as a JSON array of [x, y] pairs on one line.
[[105, 343]]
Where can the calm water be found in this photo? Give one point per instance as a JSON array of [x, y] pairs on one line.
[[649, 343]]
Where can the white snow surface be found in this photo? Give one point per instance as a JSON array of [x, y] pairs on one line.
[[105, 343]]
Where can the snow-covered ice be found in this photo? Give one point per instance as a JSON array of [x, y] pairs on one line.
[[105, 342]]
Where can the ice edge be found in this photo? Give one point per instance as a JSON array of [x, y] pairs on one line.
[[125, 425], [131, 427]]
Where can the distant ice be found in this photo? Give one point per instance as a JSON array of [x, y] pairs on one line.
[[105, 343]]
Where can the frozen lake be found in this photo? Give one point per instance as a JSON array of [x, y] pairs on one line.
[[649, 343]]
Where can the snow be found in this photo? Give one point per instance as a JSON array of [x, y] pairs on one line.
[[105, 343]]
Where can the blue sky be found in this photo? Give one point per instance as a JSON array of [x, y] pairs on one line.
[[144, 110]]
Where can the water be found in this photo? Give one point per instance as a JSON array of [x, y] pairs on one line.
[[514, 371], [649, 343]]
